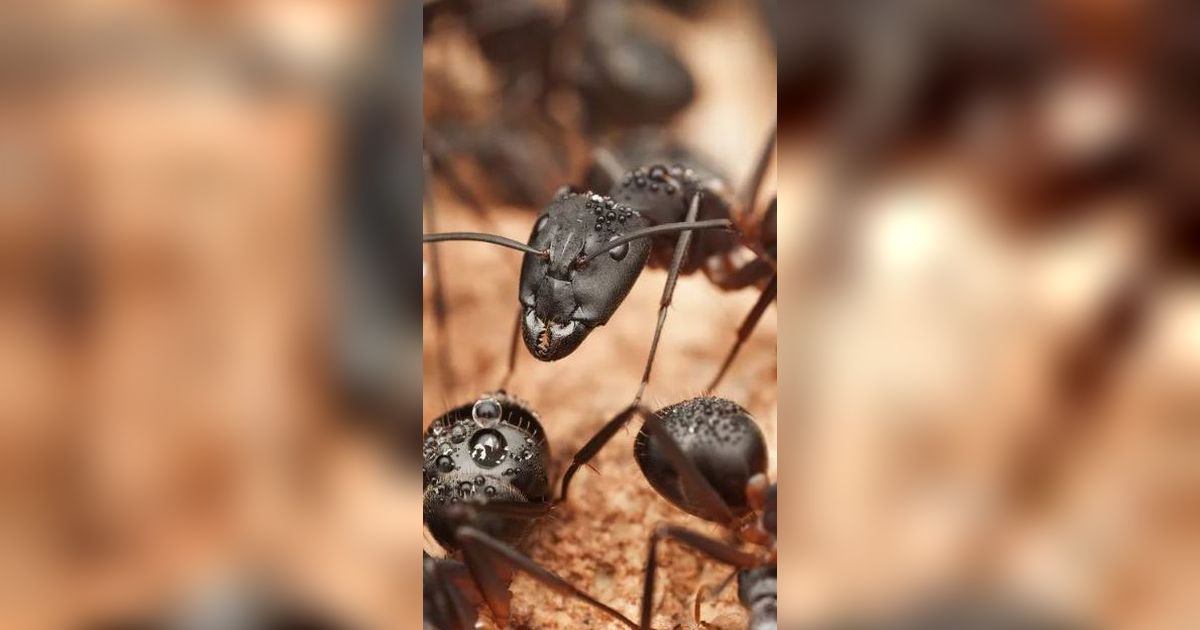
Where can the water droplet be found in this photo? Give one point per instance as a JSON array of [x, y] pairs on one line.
[[490, 491], [486, 412], [445, 464], [488, 448]]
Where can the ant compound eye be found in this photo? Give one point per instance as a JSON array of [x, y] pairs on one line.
[[488, 448], [618, 252], [486, 412]]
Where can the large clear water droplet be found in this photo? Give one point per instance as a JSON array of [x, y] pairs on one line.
[[488, 448], [486, 412]]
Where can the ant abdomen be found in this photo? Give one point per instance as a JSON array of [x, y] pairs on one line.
[[493, 449], [723, 441]]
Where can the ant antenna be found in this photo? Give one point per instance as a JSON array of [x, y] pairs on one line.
[[484, 238]]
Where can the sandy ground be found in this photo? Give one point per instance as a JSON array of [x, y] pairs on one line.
[[599, 540]]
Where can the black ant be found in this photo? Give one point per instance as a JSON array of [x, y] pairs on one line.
[[625, 77], [586, 250], [621, 76], [707, 457], [484, 481]]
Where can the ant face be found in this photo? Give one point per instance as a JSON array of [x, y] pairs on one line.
[[567, 293]]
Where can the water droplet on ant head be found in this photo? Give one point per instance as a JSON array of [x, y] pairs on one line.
[[437, 429], [479, 480], [618, 252], [466, 487], [486, 412], [490, 491], [445, 464], [488, 448]]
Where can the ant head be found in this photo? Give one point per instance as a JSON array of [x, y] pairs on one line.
[[567, 293], [721, 438], [492, 449]]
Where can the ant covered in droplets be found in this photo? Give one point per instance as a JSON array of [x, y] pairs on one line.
[[707, 457], [484, 482], [586, 250]]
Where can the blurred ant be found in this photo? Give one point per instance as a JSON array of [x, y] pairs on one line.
[[586, 250], [621, 76], [707, 457], [485, 481], [625, 77]]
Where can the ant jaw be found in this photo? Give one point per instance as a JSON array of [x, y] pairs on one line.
[[549, 340]]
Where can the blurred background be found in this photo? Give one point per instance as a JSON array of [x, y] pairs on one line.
[[208, 282], [989, 314], [989, 324]]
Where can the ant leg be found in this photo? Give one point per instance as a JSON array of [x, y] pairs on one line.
[[756, 312], [681, 246], [512, 352], [486, 556], [695, 486], [450, 606], [693, 482], [750, 192], [713, 592], [715, 549], [439, 292], [743, 276], [609, 164], [593, 446], [438, 152]]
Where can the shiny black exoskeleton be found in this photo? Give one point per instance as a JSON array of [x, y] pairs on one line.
[[562, 299], [707, 457], [720, 437], [586, 250], [485, 483], [493, 449], [568, 293]]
